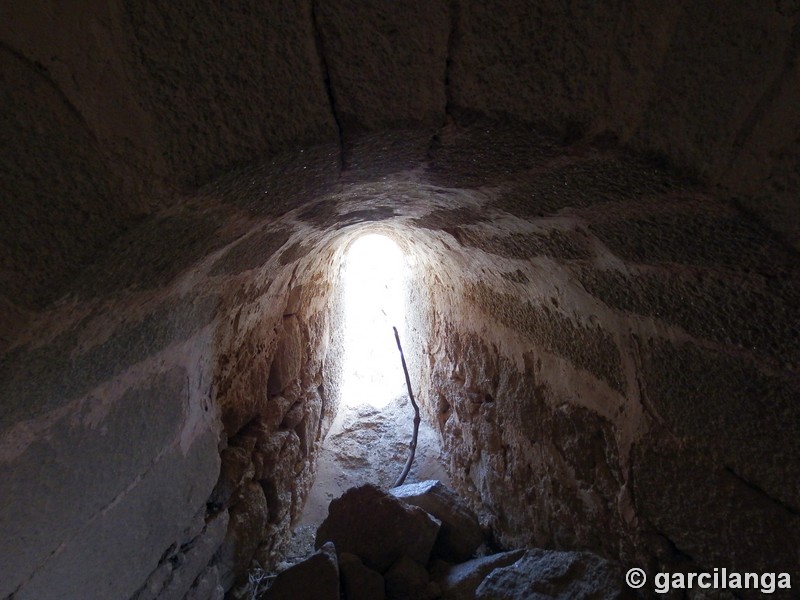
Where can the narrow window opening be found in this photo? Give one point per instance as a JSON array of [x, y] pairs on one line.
[[375, 279], [368, 441]]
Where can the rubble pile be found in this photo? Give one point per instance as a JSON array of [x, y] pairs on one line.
[[421, 541]]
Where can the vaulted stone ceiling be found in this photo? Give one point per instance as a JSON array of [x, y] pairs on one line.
[[602, 201]]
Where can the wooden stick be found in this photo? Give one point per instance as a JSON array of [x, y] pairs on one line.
[[412, 448]]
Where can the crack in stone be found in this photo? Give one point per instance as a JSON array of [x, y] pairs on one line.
[[768, 96], [454, 13], [326, 81], [761, 492], [636, 352], [677, 550], [42, 72], [138, 479], [171, 555], [452, 38]]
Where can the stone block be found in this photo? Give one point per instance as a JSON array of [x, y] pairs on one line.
[[316, 578], [460, 534], [459, 582], [406, 579], [378, 528], [358, 581], [246, 530]]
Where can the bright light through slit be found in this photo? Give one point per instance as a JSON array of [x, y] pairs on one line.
[[375, 279]]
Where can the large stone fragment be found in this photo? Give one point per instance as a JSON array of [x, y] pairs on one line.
[[358, 581], [459, 582], [378, 528], [316, 578], [461, 533], [408, 580], [557, 575]]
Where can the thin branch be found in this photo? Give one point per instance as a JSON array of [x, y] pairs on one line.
[[412, 448]]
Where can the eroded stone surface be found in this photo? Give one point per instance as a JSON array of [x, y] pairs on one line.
[[248, 522], [286, 365]]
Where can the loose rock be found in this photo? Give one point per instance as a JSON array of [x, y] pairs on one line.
[[358, 581], [408, 580], [459, 582], [378, 528], [557, 575], [316, 578], [461, 533]]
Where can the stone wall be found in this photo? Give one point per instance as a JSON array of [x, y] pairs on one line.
[[596, 343], [277, 386], [111, 106], [109, 445], [160, 424]]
